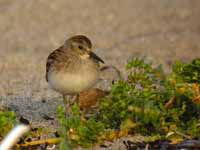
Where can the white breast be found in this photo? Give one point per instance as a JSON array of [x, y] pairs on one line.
[[71, 83]]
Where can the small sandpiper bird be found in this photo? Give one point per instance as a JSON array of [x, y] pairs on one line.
[[73, 68]]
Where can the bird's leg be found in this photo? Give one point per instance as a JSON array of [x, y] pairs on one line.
[[68, 102]]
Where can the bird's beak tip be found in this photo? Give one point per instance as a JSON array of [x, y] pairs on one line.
[[93, 55]]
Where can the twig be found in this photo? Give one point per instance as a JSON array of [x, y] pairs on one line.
[[39, 142], [182, 134], [170, 102]]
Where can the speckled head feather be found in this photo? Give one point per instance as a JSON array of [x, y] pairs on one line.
[[80, 39]]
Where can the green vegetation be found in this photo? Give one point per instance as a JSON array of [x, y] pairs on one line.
[[188, 72], [148, 102], [7, 120], [80, 131]]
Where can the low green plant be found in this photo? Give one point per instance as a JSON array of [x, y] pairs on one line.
[[148, 102], [7, 120], [144, 96], [188, 72], [76, 130]]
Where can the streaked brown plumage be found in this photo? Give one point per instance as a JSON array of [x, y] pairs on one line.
[[73, 67]]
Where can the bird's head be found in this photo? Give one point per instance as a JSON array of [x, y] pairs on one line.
[[82, 46]]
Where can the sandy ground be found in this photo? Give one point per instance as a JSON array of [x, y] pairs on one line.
[[161, 30]]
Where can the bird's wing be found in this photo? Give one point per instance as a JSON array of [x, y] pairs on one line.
[[53, 58]]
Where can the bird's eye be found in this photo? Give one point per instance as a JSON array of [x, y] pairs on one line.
[[80, 47]]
